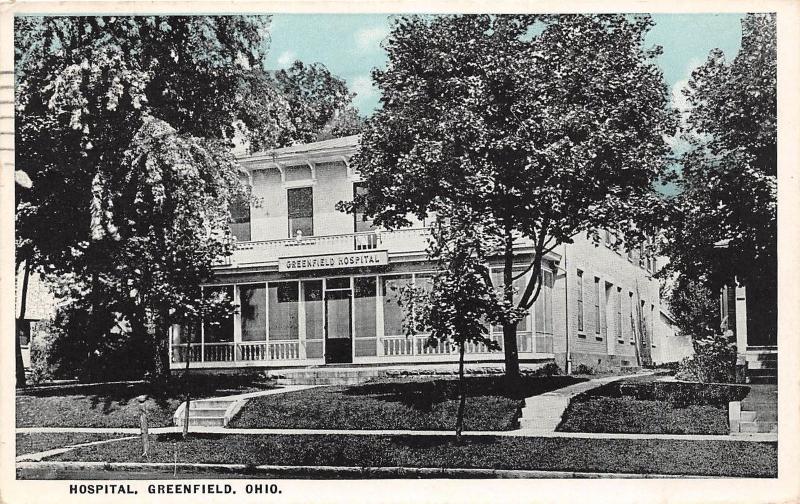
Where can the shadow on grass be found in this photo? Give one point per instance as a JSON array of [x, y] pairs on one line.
[[423, 393]]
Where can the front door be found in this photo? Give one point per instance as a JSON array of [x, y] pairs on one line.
[[338, 326]]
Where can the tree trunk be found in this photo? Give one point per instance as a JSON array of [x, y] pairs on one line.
[[462, 393], [161, 347], [22, 306], [510, 330]]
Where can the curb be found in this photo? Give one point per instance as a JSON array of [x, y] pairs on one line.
[[333, 472]]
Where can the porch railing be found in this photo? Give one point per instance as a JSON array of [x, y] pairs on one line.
[[243, 351], [388, 346], [401, 241]]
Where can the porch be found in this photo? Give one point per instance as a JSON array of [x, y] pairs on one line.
[[388, 350]]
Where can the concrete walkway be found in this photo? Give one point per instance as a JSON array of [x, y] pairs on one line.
[[542, 413], [765, 437], [328, 472]]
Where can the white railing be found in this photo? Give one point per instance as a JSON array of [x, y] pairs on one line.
[[284, 350], [249, 351], [252, 351], [218, 352], [402, 240], [416, 345]]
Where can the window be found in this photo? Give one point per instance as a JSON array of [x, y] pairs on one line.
[[580, 301], [393, 313], [364, 292], [219, 331], [544, 315], [652, 325], [283, 322], [240, 218], [253, 299], [301, 211], [312, 304], [361, 224], [619, 314], [597, 319], [632, 334]]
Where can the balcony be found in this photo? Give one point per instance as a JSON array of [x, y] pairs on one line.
[[399, 242]]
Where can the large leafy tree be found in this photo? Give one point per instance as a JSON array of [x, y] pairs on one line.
[[317, 101], [123, 125], [724, 220], [546, 126]]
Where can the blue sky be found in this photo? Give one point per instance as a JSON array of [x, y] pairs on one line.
[[349, 45]]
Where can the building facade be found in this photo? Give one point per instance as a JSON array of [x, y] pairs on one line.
[[318, 286]]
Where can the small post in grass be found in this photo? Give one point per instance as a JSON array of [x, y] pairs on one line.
[[143, 425]]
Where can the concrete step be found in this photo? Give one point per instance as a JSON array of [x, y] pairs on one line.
[[757, 380], [204, 422], [748, 416], [758, 427], [766, 356], [768, 364], [207, 412], [211, 404], [764, 371]]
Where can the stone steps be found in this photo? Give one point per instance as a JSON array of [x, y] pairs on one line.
[[205, 412], [762, 367], [757, 413]]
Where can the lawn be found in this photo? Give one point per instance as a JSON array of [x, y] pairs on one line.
[[419, 403], [707, 458], [116, 405], [652, 407], [36, 442]]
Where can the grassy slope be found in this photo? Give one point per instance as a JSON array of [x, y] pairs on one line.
[[646, 406], [626, 415], [42, 441], [116, 405], [421, 403], [711, 458]]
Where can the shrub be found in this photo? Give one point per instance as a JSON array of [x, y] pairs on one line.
[[549, 369], [714, 361], [41, 358], [583, 369]]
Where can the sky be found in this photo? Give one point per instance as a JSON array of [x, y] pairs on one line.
[[349, 45]]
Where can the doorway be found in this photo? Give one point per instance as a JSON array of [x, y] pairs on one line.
[[338, 321]]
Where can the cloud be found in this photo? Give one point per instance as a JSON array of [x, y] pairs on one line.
[[286, 58], [369, 39], [362, 87]]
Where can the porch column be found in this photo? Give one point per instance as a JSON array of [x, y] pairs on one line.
[[301, 320], [741, 320], [379, 317], [237, 323]]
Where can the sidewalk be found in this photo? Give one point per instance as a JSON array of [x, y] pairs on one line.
[[333, 472], [542, 413], [765, 437]]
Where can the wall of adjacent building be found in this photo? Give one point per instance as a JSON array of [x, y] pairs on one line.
[[615, 270]]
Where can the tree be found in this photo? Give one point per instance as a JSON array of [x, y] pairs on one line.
[[123, 125], [546, 126], [315, 98], [461, 301], [724, 220]]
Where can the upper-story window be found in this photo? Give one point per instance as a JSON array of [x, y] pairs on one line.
[[596, 296], [579, 289], [361, 224], [240, 218], [301, 211]]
